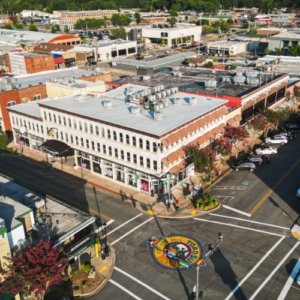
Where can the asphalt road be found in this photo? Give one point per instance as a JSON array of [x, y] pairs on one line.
[[255, 260]]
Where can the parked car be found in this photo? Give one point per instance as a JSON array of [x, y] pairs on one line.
[[265, 150], [293, 127], [174, 46], [168, 52], [289, 134], [276, 140], [255, 159], [244, 166], [147, 56]]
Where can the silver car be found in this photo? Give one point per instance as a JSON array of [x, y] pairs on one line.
[[276, 140]]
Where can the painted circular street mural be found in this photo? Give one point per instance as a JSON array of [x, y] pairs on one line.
[[183, 247]]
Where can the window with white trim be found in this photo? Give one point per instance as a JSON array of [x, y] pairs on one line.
[[37, 97], [11, 103]]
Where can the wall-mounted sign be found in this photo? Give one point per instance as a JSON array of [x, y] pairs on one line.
[[52, 131], [164, 34], [23, 129]]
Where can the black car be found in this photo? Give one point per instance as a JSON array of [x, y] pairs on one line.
[[293, 127], [175, 46], [242, 165]]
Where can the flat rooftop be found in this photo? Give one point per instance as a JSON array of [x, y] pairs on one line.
[[120, 113], [107, 43], [225, 43], [77, 84], [178, 26], [193, 80]]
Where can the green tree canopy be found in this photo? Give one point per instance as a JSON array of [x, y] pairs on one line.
[[4, 141], [137, 17], [172, 21], [173, 13], [32, 27], [294, 50], [119, 33], [8, 26], [267, 51]]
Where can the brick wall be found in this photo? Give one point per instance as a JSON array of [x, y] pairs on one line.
[[100, 77], [30, 92], [39, 64], [8, 62], [290, 90]]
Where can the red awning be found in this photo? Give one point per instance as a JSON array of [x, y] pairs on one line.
[[59, 60], [231, 121]]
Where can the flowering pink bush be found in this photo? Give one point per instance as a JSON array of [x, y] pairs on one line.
[[34, 270]]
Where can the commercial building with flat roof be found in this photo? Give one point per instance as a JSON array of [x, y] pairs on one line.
[[231, 47], [284, 41]]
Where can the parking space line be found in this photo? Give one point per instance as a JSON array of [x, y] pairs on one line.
[[236, 210], [225, 198], [241, 227], [142, 283], [266, 224], [123, 224], [254, 268], [274, 271], [240, 188], [120, 238], [289, 282], [125, 290]]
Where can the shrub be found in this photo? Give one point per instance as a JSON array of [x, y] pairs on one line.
[[232, 67], [210, 64], [201, 206], [74, 272], [215, 202], [205, 207], [84, 284], [86, 267], [198, 200], [210, 203], [197, 205], [7, 26]]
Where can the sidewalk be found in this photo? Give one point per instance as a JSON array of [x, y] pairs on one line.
[[140, 201]]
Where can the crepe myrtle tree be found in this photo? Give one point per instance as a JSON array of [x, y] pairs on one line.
[[256, 124], [34, 270], [272, 118], [223, 146]]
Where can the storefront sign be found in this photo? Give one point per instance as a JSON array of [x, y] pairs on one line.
[[52, 131], [23, 129], [183, 247]]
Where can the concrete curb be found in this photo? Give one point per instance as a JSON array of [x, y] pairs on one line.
[[105, 281]]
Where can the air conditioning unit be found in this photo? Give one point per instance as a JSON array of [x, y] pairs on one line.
[[177, 101], [166, 103], [193, 101], [107, 104], [135, 110], [156, 107], [157, 115], [78, 98]]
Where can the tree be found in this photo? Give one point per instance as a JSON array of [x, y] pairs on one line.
[[256, 123], [4, 141], [8, 26], [24, 22], [236, 134], [137, 17], [18, 25], [31, 21], [202, 23], [105, 19], [232, 67], [278, 51], [34, 270], [47, 26], [288, 11], [252, 19], [224, 26], [119, 33], [57, 28], [230, 21], [294, 50], [223, 146], [32, 27], [172, 21], [173, 41], [163, 41], [173, 13], [267, 51], [121, 20], [66, 29], [210, 64], [246, 25], [53, 30], [272, 118], [186, 18], [13, 19], [253, 31]]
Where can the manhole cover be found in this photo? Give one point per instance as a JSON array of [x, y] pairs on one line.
[[76, 288]]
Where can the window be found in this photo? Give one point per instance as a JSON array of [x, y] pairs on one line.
[[91, 129], [102, 132], [33, 127], [93, 146], [75, 124], [80, 125], [104, 149], [127, 139], [116, 153], [134, 141], [161, 147], [121, 137], [98, 147], [108, 133], [85, 127], [134, 159], [71, 138], [109, 151], [115, 136], [141, 161], [154, 147], [148, 145], [11, 103], [61, 135], [162, 165], [29, 125], [148, 163], [97, 130], [21, 122], [45, 116], [65, 122], [128, 156], [87, 142], [42, 129], [122, 154], [82, 142], [70, 123], [37, 97], [17, 121], [37, 128], [50, 119], [141, 143], [13, 120], [54, 118], [76, 139], [155, 165]]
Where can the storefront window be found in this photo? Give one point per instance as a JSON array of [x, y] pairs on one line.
[[182, 175], [131, 171], [132, 180], [108, 172], [119, 167], [120, 175], [96, 167], [144, 184], [86, 162], [108, 163]]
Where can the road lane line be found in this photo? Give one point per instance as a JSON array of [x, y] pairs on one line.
[[237, 226], [255, 222], [125, 290], [236, 210], [135, 228], [254, 268], [274, 271], [123, 225], [289, 282], [103, 226], [273, 188], [142, 283]]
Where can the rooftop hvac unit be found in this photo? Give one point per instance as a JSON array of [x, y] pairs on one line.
[[239, 80], [157, 115], [135, 110], [155, 26], [161, 105], [175, 68], [168, 92], [193, 101], [107, 104], [8, 87], [158, 95], [239, 73], [70, 80], [128, 93], [78, 98], [65, 81], [51, 79], [146, 77], [226, 79], [54, 80], [131, 88], [175, 74], [149, 91], [163, 94], [5, 80], [166, 103], [253, 81], [155, 89], [251, 73], [161, 25], [162, 87], [177, 101], [179, 74], [152, 98], [156, 107], [210, 84]]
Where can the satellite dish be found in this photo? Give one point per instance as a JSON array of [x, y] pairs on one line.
[[23, 129]]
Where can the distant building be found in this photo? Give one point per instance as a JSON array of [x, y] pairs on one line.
[[36, 13], [4, 19], [270, 30], [231, 47], [284, 41], [197, 62]]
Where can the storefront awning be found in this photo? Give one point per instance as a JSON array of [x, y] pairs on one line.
[[192, 128], [165, 161], [181, 152], [173, 157], [176, 169], [183, 133], [231, 121], [223, 111], [165, 143], [238, 118], [215, 131], [200, 123], [221, 127], [59, 60], [58, 148], [216, 115], [208, 119], [173, 138]]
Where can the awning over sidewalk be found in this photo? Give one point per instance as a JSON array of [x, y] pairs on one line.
[[58, 148], [59, 60], [231, 121]]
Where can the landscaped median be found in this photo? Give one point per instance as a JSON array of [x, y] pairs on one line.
[[205, 203]]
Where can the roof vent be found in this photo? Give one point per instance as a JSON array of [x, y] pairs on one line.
[[146, 77], [78, 98], [135, 110], [193, 101], [210, 84], [157, 115], [177, 101], [107, 104], [166, 103]]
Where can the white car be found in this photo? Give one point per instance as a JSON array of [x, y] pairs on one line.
[[264, 150], [276, 140], [168, 52], [188, 43], [147, 56]]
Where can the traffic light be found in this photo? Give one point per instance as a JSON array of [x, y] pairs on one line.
[[152, 193], [200, 294], [193, 295]]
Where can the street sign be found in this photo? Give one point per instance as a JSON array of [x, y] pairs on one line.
[[165, 181], [196, 187], [183, 264], [195, 192], [181, 182]]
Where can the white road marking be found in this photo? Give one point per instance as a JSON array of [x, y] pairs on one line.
[[237, 226], [274, 271], [124, 224], [120, 238], [290, 281], [254, 268], [240, 188], [142, 283], [266, 224], [103, 226], [237, 210], [225, 198], [125, 290]]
